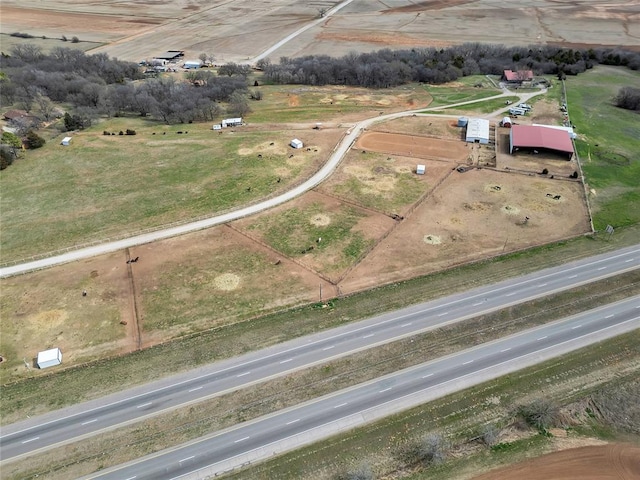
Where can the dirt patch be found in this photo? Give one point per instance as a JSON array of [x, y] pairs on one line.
[[387, 39], [320, 220], [607, 462], [264, 148], [432, 239], [227, 282], [429, 5], [413, 146]]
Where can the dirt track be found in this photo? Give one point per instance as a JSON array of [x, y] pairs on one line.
[[608, 462], [414, 146]]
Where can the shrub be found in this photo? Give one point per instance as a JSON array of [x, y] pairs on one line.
[[431, 449], [104, 132], [540, 413], [130, 132], [75, 40], [362, 472], [33, 140], [120, 132]]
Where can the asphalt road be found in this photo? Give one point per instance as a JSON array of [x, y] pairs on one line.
[[83, 420], [291, 428]]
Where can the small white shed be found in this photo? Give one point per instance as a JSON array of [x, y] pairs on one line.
[[295, 143], [192, 64], [420, 169], [66, 141], [217, 126], [49, 358]]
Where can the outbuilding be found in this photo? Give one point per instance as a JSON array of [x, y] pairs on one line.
[[49, 358], [528, 137], [420, 169], [478, 130], [231, 122], [295, 143], [66, 141], [506, 122], [192, 64], [217, 126], [462, 121]]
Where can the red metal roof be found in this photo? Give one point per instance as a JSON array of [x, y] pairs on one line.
[[519, 76], [528, 136]]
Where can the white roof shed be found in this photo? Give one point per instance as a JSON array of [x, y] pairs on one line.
[[49, 358], [420, 169], [295, 143], [66, 141], [478, 130]]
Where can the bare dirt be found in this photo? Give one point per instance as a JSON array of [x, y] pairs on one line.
[[606, 462], [414, 146]]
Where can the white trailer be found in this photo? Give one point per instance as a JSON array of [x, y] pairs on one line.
[[49, 358], [517, 111]]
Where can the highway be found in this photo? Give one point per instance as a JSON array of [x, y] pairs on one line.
[[80, 421], [307, 423]]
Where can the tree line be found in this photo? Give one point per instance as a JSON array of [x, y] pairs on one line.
[[388, 68]]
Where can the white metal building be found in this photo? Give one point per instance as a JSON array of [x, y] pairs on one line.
[[477, 130], [49, 358], [192, 64], [295, 143], [231, 122], [420, 169], [66, 141]]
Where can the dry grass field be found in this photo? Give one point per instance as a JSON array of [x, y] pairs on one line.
[[242, 29]]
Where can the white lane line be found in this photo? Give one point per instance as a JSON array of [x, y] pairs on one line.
[[576, 326], [443, 314], [286, 361], [573, 276], [542, 338], [385, 390], [638, 306], [542, 285], [245, 373], [31, 440], [90, 421], [144, 405], [609, 316], [293, 421], [242, 439], [341, 405], [427, 376], [185, 459], [505, 350], [467, 363], [195, 389], [509, 294], [630, 260], [602, 268], [405, 325], [131, 478], [477, 304], [369, 336], [328, 348]]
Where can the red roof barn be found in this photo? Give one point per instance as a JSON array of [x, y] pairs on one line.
[[530, 137], [518, 77]]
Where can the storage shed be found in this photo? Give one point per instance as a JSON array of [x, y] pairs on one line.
[[66, 141], [192, 64], [420, 169], [217, 126], [478, 130], [49, 358], [231, 122], [462, 121], [506, 122], [295, 143]]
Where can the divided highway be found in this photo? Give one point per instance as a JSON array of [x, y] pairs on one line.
[[309, 422], [83, 420]]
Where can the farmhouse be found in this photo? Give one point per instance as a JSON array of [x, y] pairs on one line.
[[477, 130], [49, 358], [518, 77], [538, 137]]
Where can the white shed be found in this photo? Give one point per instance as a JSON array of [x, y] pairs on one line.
[[217, 126], [66, 141], [420, 169], [192, 64], [49, 358], [231, 122], [295, 143]]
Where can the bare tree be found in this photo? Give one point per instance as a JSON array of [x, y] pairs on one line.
[[46, 108]]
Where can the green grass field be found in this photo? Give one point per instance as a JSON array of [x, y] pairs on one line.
[[463, 91], [609, 143]]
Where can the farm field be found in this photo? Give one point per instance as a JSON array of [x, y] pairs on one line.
[[240, 30]]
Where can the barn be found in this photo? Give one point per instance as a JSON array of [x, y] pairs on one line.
[[535, 138], [477, 130]]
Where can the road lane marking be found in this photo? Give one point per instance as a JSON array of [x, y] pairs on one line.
[[293, 421], [385, 390], [509, 294], [609, 316], [505, 350], [242, 439], [328, 348], [427, 376], [467, 363], [131, 478], [573, 276], [542, 285], [90, 421], [369, 336], [577, 326], [542, 338], [286, 361], [31, 440], [477, 304], [630, 260], [405, 325], [144, 405], [195, 389], [245, 373], [602, 268], [443, 314], [341, 405], [185, 459]]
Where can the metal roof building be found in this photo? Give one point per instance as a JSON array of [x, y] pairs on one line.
[[528, 136], [477, 130]]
